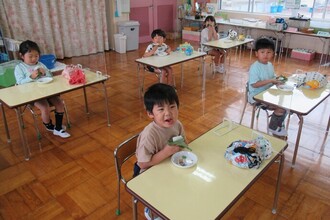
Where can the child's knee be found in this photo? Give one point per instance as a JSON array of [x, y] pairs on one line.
[[279, 111]]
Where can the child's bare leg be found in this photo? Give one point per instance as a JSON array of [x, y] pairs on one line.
[[44, 109], [222, 57], [216, 55], [170, 77], [163, 76], [279, 111], [57, 102]]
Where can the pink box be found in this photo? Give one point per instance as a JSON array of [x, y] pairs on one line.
[[191, 35], [302, 54]]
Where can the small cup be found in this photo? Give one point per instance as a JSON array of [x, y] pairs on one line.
[[99, 73]]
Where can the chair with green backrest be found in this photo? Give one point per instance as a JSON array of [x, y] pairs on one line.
[[122, 154]]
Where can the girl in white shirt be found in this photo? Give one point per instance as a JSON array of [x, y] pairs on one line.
[[30, 70], [210, 33]]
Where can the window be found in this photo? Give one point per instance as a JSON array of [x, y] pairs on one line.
[[319, 9]]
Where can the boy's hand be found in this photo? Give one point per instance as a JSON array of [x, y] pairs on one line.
[[277, 82], [154, 48], [171, 149]]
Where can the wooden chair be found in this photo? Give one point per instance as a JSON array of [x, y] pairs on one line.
[[122, 154]]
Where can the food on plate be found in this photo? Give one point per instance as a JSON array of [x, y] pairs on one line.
[[313, 84], [182, 161], [282, 78]]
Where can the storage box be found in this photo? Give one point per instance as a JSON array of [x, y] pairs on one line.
[[274, 26], [7, 76], [48, 60], [191, 35], [191, 28], [120, 43], [303, 54]]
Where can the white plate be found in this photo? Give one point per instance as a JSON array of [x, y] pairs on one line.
[[184, 159], [228, 41], [285, 87], [45, 80]]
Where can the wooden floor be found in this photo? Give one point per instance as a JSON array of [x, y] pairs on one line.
[[76, 178]]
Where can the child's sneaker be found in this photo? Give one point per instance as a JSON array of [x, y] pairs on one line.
[[148, 215], [52, 127], [221, 68], [49, 127], [62, 133], [280, 131]]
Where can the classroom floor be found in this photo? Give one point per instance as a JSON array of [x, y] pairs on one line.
[[75, 178]]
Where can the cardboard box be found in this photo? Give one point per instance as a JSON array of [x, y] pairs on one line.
[[303, 54]]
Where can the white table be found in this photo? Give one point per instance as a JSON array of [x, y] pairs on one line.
[[16, 96], [324, 39], [300, 101], [210, 188], [169, 60], [226, 44]]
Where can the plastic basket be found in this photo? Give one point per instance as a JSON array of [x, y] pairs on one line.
[[48, 60], [7, 76], [322, 79], [4, 57]]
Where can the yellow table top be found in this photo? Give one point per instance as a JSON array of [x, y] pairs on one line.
[[22, 94], [207, 189]]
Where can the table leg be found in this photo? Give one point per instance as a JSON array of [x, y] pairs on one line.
[[287, 48], [278, 183], [301, 121], [5, 123], [251, 51], [25, 147], [325, 137], [225, 58], [204, 74], [323, 41], [139, 81], [86, 102], [276, 43], [106, 103], [253, 115], [134, 203], [328, 126], [181, 75]]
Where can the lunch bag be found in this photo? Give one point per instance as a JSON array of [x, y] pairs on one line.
[[248, 154], [74, 74]]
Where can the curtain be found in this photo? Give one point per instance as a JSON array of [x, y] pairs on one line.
[[65, 28]]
